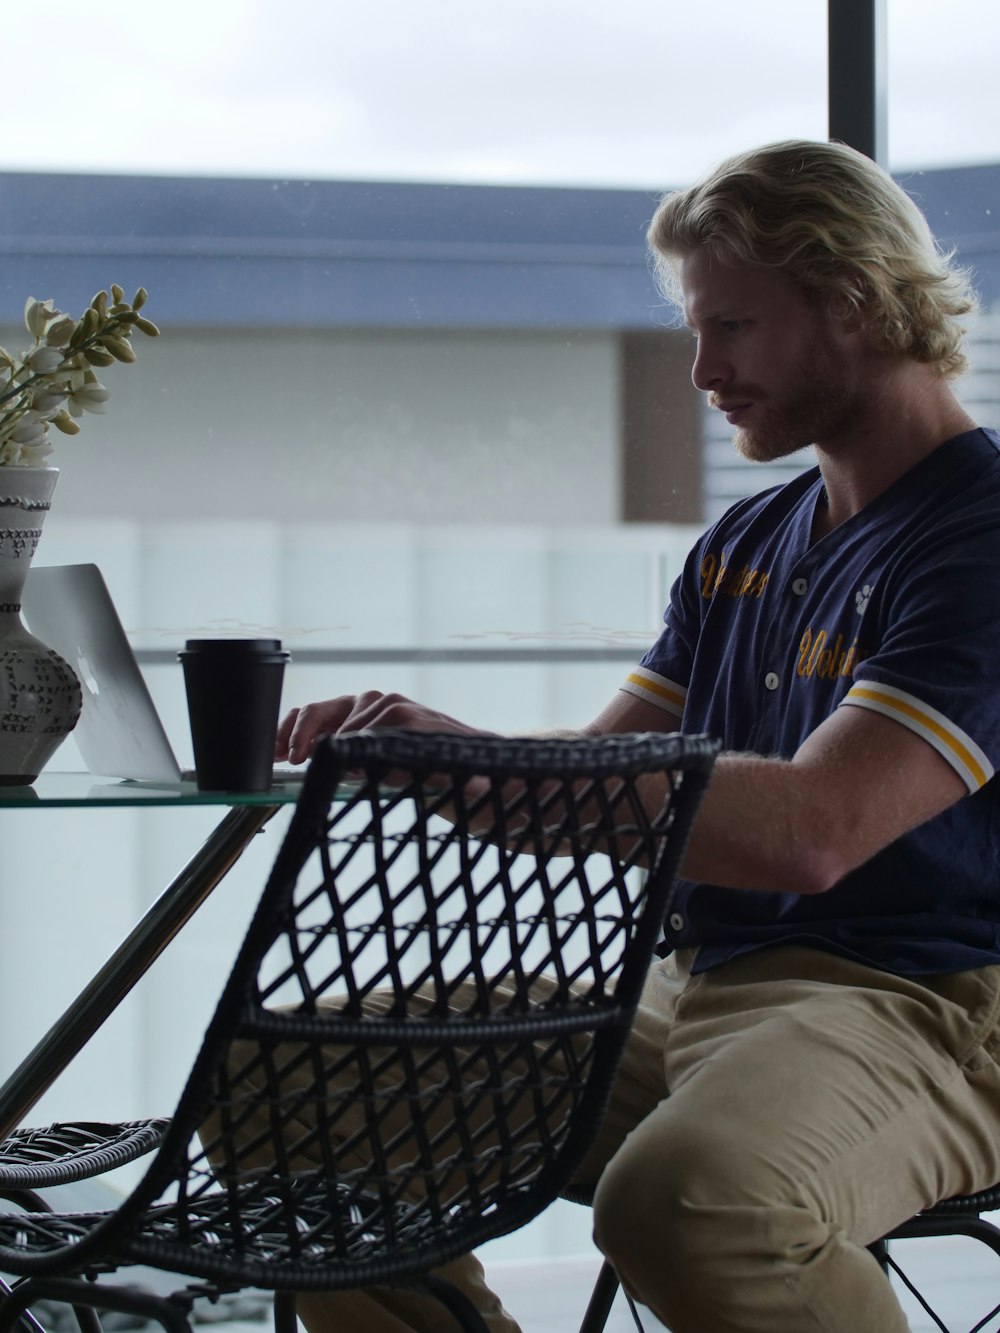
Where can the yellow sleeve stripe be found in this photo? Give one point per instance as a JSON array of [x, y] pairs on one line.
[[656, 689], [961, 751]]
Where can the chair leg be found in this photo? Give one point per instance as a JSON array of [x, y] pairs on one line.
[[28, 1322], [82, 1294], [601, 1299], [879, 1249], [285, 1318], [87, 1319]]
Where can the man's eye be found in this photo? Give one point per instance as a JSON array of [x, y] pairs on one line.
[[733, 325]]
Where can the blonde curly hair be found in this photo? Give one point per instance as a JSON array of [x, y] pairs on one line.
[[838, 226]]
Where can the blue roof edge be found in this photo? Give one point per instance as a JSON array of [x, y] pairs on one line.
[[236, 252]]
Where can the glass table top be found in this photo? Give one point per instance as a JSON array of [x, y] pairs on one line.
[[84, 789]]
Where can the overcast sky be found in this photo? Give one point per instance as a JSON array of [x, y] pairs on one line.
[[644, 93]]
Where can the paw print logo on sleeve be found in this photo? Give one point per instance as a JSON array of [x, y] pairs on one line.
[[861, 598]]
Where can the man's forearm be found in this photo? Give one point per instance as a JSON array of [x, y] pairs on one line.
[[760, 826], [799, 825]]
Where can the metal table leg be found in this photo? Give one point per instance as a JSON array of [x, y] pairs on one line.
[[133, 957]]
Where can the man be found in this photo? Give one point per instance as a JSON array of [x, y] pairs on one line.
[[815, 1058]]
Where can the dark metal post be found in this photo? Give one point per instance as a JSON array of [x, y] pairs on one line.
[[856, 63], [130, 961]]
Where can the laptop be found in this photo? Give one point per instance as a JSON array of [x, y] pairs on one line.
[[120, 733]]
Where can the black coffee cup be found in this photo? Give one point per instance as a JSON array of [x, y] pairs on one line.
[[234, 698]]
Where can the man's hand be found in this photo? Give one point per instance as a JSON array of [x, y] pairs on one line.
[[856, 784], [302, 727]]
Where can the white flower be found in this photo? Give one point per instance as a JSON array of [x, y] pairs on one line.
[[29, 429], [24, 455], [37, 314], [77, 371], [60, 330], [49, 402], [54, 381], [88, 398], [34, 455], [43, 360]]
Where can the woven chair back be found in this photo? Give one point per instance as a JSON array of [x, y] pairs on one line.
[[416, 1043]]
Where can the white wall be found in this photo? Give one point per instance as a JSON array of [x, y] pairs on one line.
[[420, 427]]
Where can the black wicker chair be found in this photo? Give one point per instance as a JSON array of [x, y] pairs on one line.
[[958, 1216], [32, 1159], [416, 1042]]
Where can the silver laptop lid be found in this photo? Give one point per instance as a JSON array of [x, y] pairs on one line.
[[119, 733]]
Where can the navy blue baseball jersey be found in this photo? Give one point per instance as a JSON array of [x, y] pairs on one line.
[[897, 610]]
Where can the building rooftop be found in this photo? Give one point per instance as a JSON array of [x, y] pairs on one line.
[[298, 253]]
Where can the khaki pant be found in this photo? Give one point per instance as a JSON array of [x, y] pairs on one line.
[[770, 1118]]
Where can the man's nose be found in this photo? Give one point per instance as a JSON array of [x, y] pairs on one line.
[[710, 370]]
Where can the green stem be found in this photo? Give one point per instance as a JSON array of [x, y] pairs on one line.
[[20, 388], [113, 325]]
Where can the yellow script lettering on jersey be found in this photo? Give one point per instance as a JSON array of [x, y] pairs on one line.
[[816, 658], [717, 577]]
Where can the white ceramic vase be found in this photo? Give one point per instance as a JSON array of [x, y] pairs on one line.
[[39, 692]]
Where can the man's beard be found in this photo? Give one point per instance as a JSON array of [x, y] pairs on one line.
[[818, 410]]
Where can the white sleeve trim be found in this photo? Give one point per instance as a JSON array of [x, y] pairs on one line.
[[656, 689], [960, 750]]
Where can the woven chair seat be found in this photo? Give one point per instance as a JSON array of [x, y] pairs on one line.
[[195, 1236], [190, 1240], [61, 1154]]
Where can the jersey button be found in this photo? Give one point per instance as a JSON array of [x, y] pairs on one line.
[[800, 587], [772, 680], [676, 921]]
